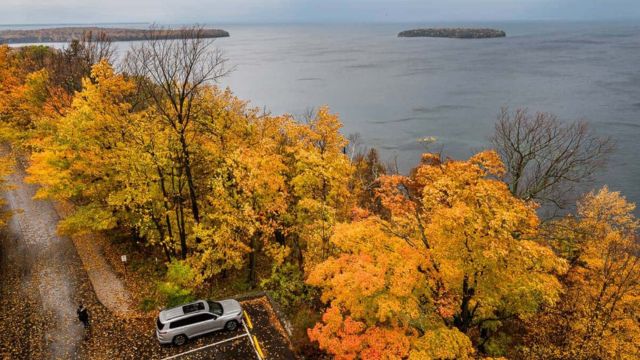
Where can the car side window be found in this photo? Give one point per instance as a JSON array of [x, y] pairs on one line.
[[191, 320], [183, 322], [204, 317]]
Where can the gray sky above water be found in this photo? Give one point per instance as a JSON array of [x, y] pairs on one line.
[[232, 11]]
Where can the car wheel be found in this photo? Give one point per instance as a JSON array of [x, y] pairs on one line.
[[179, 340], [231, 325]]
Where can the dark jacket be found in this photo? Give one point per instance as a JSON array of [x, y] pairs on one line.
[[83, 314]]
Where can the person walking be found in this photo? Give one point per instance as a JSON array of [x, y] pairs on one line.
[[83, 315]]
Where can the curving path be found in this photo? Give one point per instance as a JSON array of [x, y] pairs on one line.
[[108, 287], [47, 278]]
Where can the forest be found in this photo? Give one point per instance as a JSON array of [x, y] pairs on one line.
[[506, 254]]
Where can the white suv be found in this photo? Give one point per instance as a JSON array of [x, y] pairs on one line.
[[177, 325]]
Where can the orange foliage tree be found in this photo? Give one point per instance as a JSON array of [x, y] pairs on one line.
[[455, 258]]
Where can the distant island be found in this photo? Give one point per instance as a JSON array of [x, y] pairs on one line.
[[66, 34], [457, 33]]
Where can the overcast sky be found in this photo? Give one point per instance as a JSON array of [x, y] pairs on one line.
[[232, 11]]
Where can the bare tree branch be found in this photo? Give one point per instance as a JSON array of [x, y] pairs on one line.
[[545, 158], [171, 72]]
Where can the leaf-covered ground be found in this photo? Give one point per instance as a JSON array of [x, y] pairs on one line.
[[42, 281], [109, 288]]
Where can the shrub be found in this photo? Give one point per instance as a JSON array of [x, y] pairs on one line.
[[148, 304], [176, 288], [287, 287]]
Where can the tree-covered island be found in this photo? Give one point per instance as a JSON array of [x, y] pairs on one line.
[[458, 33]]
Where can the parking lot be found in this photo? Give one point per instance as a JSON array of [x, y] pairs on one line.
[[262, 336]]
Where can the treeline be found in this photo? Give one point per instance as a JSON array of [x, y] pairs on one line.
[[68, 34], [459, 33], [452, 261]]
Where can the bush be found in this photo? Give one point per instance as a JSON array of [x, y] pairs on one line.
[[176, 288], [148, 304], [287, 287]]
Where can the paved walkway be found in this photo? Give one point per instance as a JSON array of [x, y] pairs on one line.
[[35, 222], [47, 262], [108, 286]]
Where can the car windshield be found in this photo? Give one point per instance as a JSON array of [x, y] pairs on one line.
[[215, 308]]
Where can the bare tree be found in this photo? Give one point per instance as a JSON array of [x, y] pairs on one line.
[[546, 159], [68, 66], [97, 46], [355, 146], [172, 72]]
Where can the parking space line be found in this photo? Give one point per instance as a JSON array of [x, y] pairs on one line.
[[248, 319], [252, 343], [258, 348], [210, 345]]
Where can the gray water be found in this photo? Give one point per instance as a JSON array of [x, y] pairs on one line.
[[394, 91]]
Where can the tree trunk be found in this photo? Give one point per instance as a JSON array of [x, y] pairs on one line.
[[167, 253], [279, 237], [253, 260], [165, 196], [190, 183], [300, 256], [463, 320], [181, 231], [157, 223]]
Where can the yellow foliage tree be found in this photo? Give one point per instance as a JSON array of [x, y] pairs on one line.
[[77, 162], [597, 317], [6, 168], [245, 189], [318, 181]]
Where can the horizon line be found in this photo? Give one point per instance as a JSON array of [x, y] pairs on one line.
[[312, 22]]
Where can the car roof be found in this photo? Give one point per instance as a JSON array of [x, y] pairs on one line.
[[183, 310]]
